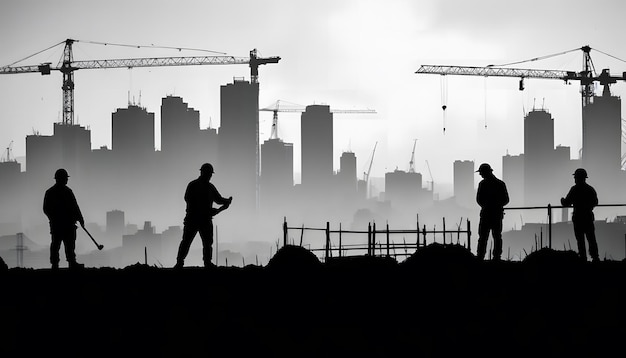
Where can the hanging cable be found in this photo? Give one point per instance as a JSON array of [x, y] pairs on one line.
[[152, 46], [485, 96], [35, 54], [606, 54], [535, 58], [444, 99]]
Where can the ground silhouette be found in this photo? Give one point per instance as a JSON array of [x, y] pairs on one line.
[[429, 305], [3, 265]]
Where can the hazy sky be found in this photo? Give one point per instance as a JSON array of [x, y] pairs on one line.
[[348, 54]]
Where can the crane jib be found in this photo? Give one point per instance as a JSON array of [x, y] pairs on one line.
[[67, 66]]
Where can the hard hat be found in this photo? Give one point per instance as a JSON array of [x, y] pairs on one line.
[[484, 168], [580, 173], [207, 167], [61, 173]]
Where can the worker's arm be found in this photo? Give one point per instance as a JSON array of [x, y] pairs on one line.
[[46, 205], [505, 199], [567, 200], [79, 214]]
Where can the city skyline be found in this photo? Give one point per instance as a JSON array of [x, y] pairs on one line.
[[146, 129], [344, 62], [192, 224]]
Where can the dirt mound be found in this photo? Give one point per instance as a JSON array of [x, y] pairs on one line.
[[291, 257], [3, 265], [439, 253], [552, 257]]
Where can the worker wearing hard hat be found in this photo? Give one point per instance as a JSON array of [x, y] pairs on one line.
[[61, 208], [200, 196], [492, 196], [583, 198]]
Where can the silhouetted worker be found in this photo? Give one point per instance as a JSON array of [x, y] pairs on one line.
[[200, 196], [61, 208], [492, 196], [583, 198]]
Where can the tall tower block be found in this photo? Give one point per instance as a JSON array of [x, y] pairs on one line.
[[538, 157], [602, 141], [238, 151], [317, 148]]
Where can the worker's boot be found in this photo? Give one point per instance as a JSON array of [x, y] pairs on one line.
[[73, 265]]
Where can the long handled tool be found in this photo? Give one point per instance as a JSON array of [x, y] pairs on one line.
[[94, 240]]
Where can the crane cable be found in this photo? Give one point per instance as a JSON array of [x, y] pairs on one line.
[[606, 54], [485, 94], [35, 54], [535, 58], [444, 99], [120, 45], [151, 46]]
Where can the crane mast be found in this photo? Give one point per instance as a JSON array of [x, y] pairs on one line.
[[8, 157], [366, 175], [67, 66], [412, 161], [68, 83], [432, 181]]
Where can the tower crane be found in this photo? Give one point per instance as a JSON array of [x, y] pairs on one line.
[[296, 108], [412, 161], [366, 175], [67, 66], [8, 155], [587, 76], [279, 106], [432, 181]]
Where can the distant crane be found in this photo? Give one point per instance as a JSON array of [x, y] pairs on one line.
[[412, 161], [432, 181], [366, 175], [296, 108], [67, 66], [280, 106], [7, 158], [587, 76]]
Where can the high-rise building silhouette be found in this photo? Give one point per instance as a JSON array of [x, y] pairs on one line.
[[238, 150], [602, 144], [316, 133], [208, 145], [538, 157], [136, 188], [183, 143], [463, 185], [115, 224], [75, 147], [276, 173], [11, 186], [43, 156], [184, 148], [179, 125], [346, 178], [68, 147], [405, 192], [133, 133], [513, 177]]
